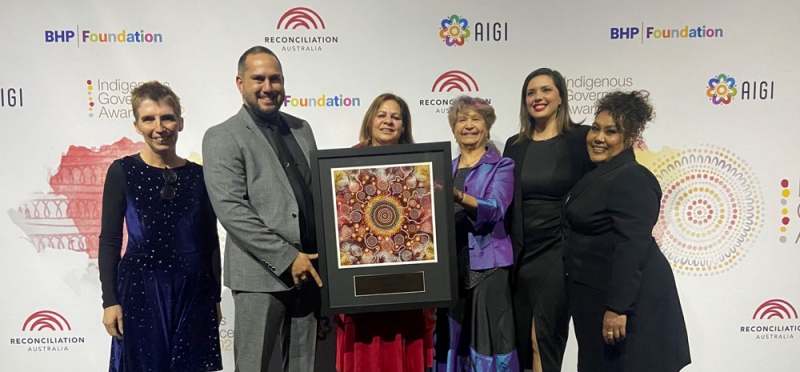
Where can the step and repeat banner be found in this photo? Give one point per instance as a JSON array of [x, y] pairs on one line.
[[724, 145]]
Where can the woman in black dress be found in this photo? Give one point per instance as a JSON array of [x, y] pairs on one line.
[[161, 298], [622, 294], [550, 157]]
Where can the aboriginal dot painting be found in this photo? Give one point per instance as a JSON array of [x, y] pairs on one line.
[[384, 215]]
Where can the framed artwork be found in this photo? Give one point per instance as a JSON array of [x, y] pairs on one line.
[[384, 227]]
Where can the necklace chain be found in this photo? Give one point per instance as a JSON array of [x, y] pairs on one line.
[[542, 138], [470, 163]]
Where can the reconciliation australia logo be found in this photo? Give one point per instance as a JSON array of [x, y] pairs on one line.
[[47, 331], [722, 89], [447, 86], [455, 30], [301, 29], [775, 319], [110, 98], [11, 97], [87, 36]]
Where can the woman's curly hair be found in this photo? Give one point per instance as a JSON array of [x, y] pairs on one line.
[[630, 110]]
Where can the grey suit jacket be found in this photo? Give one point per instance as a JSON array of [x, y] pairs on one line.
[[254, 201]]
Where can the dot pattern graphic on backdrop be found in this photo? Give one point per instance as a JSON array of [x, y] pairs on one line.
[[384, 215], [89, 89], [710, 209], [784, 210]]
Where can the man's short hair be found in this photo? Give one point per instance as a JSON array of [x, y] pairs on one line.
[[255, 50]]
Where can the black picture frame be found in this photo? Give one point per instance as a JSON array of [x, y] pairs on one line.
[[356, 288]]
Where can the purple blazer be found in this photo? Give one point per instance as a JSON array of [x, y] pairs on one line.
[[491, 182]]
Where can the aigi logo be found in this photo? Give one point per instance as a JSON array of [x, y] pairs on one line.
[[46, 319], [302, 36], [775, 308], [111, 99], [89, 37], [722, 89], [658, 33], [775, 321], [11, 97], [455, 30], [454, 82], [39, 328]]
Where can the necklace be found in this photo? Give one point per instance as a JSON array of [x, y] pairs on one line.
[[471, 162], [543, 139]]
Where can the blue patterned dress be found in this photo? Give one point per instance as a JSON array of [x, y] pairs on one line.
[[167, 281]]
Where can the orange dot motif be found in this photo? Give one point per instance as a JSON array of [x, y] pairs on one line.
[[710, 209], [384, 215]]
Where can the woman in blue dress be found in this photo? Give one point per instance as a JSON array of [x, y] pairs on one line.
[[161, 298]]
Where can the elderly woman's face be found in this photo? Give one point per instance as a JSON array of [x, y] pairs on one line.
[[605, 139], [387, 126], [470, 128]]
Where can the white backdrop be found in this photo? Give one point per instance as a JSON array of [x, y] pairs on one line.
[[731, 216]]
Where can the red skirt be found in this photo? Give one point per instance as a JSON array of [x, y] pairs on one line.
[[396, 341]]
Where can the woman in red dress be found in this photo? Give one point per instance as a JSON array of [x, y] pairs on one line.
[[398, 341]]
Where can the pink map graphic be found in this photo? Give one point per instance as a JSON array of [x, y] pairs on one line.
[[69, 216]]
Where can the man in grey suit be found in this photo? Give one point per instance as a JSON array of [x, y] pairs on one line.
[[258, 178]]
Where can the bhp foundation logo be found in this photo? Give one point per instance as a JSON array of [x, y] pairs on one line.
[[455, 80], [775, 308], [300, 17], [46, 319]]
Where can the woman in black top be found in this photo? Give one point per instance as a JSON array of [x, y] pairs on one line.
[[622, 293], [550, 157]]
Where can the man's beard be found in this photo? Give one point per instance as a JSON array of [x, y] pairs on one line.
[[262, 113]]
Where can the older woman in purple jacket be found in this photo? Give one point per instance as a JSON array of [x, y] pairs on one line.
[[477, 333]]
